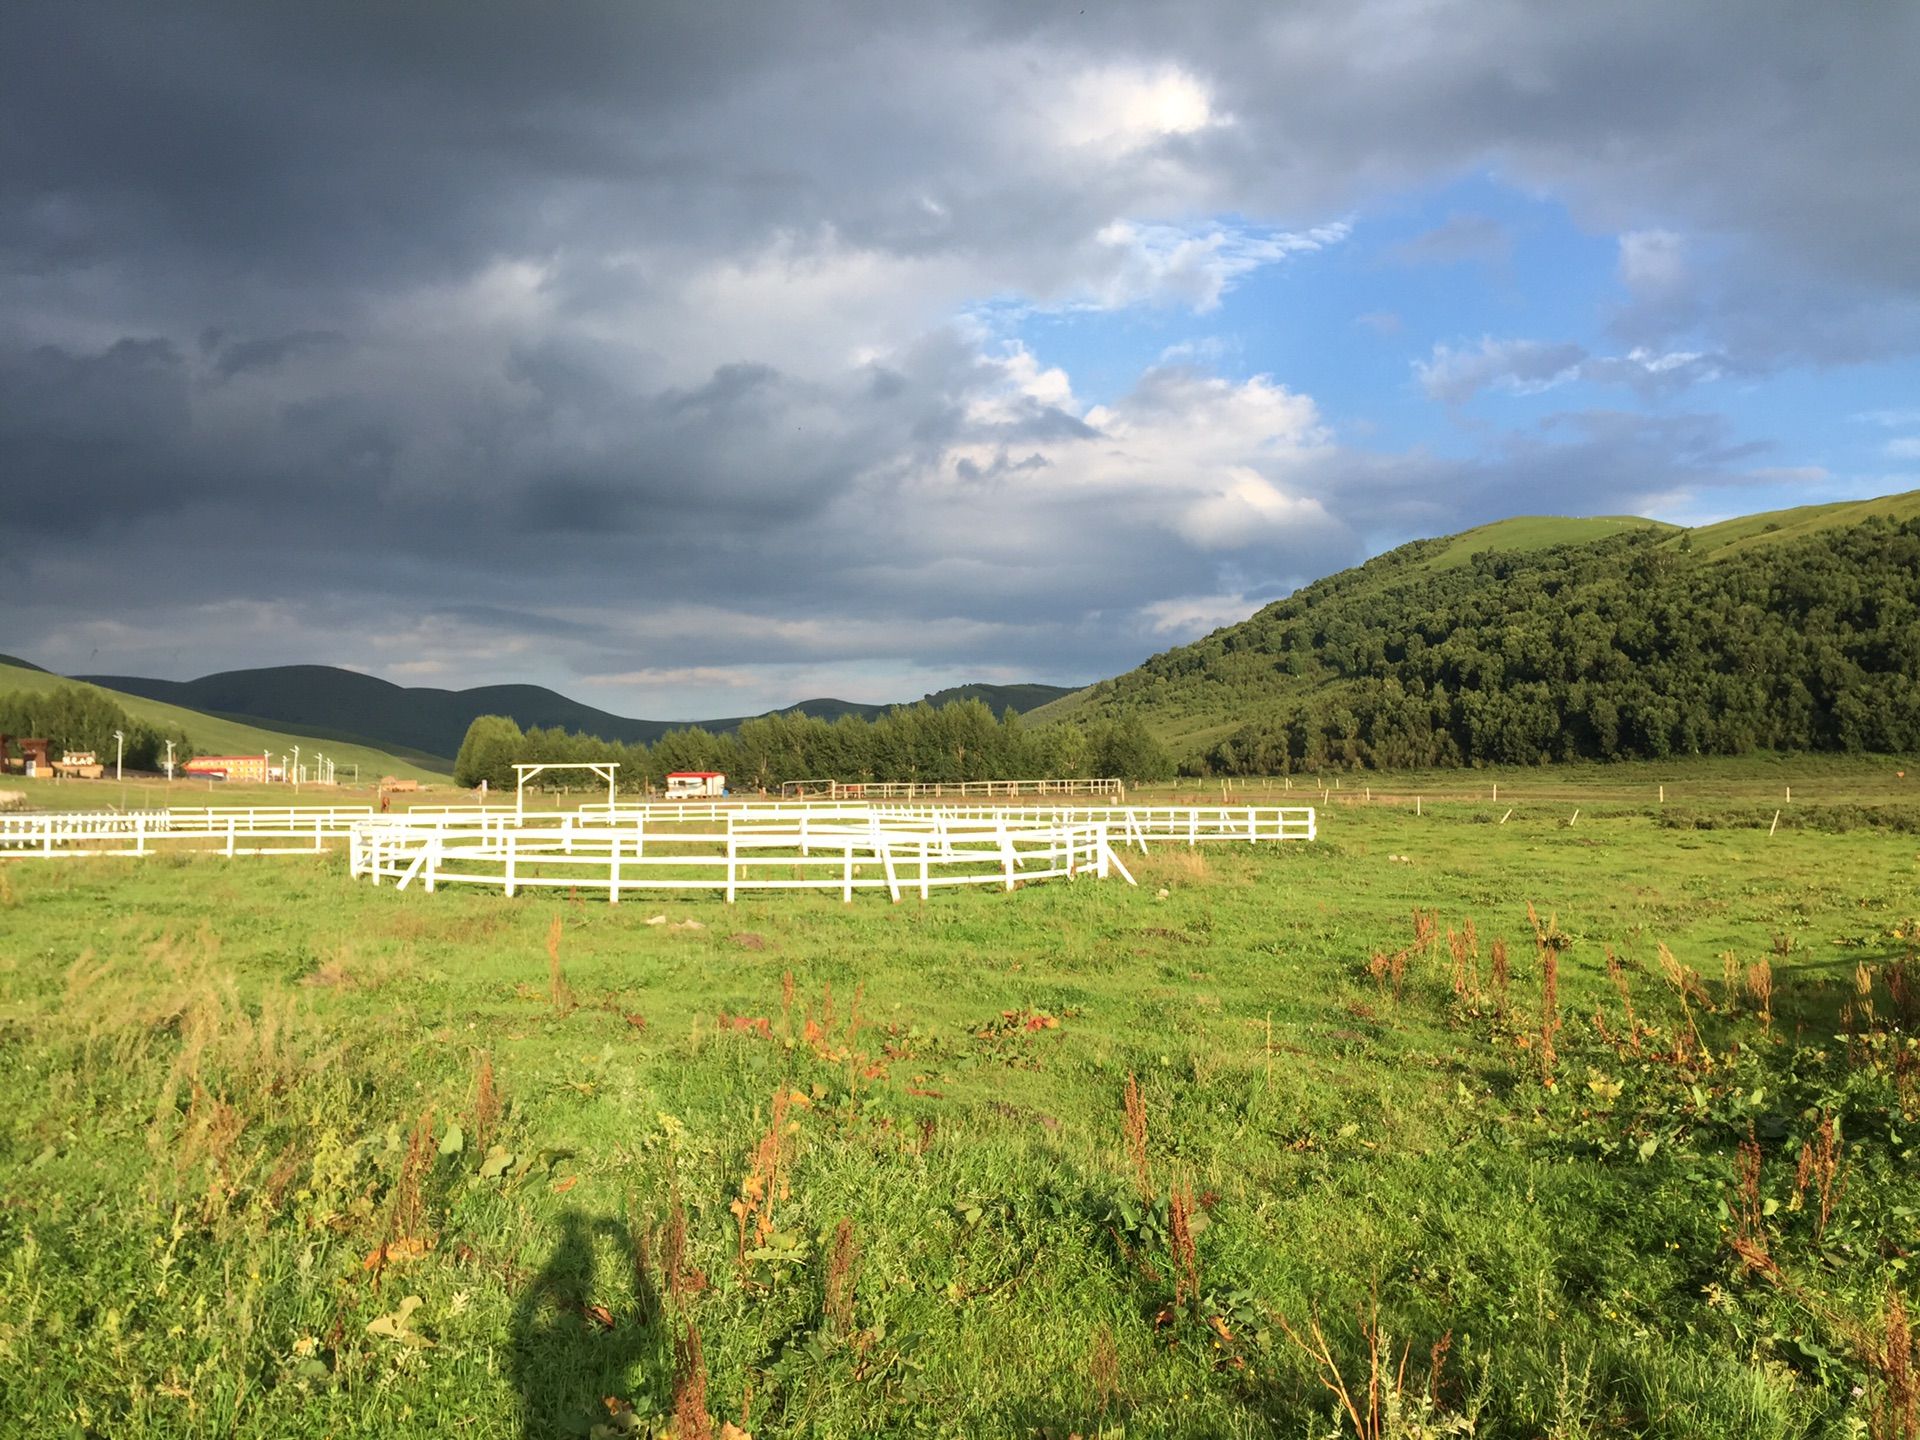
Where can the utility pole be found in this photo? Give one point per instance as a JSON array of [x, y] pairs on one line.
[[119, 750], [169, 762], [296, 767]]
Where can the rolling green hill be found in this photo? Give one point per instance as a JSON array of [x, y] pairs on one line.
[[1537, 638], [329, 703], [219, 735], [1774, 527]]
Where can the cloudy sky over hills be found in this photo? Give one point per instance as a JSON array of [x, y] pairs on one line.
[[697, 358]]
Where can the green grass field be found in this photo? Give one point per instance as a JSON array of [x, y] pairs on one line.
[[290, 1156]]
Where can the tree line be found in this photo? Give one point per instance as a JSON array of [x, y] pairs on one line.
[[79, 717], [958, 741], [1626, 648]]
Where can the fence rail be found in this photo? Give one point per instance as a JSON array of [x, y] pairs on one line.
[[1136, 825], [942, 789], [640, 843], [233, 831], [771, 856]]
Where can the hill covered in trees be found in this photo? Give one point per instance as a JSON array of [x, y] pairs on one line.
[[961, 740], [80, 717], [1793, 631], [331, 703]]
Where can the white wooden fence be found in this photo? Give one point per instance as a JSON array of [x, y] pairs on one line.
[[1135, 825], [946, 789], [699, 845], [228, 830], [837, 854]]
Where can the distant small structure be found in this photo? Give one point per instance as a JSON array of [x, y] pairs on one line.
[[35, 761], [229, 767], [397, 786], [79, 765], [696, 784]]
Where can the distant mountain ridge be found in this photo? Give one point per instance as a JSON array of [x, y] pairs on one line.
[[335, 704]]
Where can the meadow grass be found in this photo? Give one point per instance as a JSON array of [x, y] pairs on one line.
[[1271, 1145]]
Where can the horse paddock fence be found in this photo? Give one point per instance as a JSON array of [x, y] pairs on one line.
[[765, 855], [903, 847]]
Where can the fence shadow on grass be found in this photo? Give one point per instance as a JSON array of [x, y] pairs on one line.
[[571, 1354]]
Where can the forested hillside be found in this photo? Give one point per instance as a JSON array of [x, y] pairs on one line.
[[335, 704], [958, 741], [82, 718], [1645, 643]]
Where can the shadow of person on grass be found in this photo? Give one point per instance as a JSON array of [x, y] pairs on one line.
[[571, 1354]]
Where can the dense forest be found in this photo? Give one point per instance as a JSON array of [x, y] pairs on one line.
[[959, 741], [1627, 647], [79, 717]]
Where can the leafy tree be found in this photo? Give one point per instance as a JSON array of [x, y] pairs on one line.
[[488, 752]]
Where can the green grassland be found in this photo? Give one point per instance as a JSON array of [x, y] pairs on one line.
[[869, 1169], [1775, 527], [215, 735], [1533, 532]]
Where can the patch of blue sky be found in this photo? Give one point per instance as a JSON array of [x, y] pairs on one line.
[[1347, 322], [1459, 265]]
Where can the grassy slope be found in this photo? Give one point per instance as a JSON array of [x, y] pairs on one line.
[[1776, 526], [1534, 532], [175, 1268], [212, 735]]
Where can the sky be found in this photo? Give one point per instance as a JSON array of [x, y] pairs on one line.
[[694, 359]]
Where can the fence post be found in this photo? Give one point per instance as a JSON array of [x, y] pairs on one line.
[[433, 860], [732, 860], [229, 837], [885, 852], [512, 838], [1006, 849], [139, 834], [923, 867], [613, 870], [846, 875]]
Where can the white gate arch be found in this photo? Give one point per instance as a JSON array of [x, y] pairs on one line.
[[524, 771]]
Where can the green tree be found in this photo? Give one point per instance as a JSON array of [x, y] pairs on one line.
[[488, 752]]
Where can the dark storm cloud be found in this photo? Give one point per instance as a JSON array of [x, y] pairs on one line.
[[237, 357], [614, 337]]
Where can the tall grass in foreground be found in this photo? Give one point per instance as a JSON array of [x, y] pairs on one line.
[[1070, 1161]]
